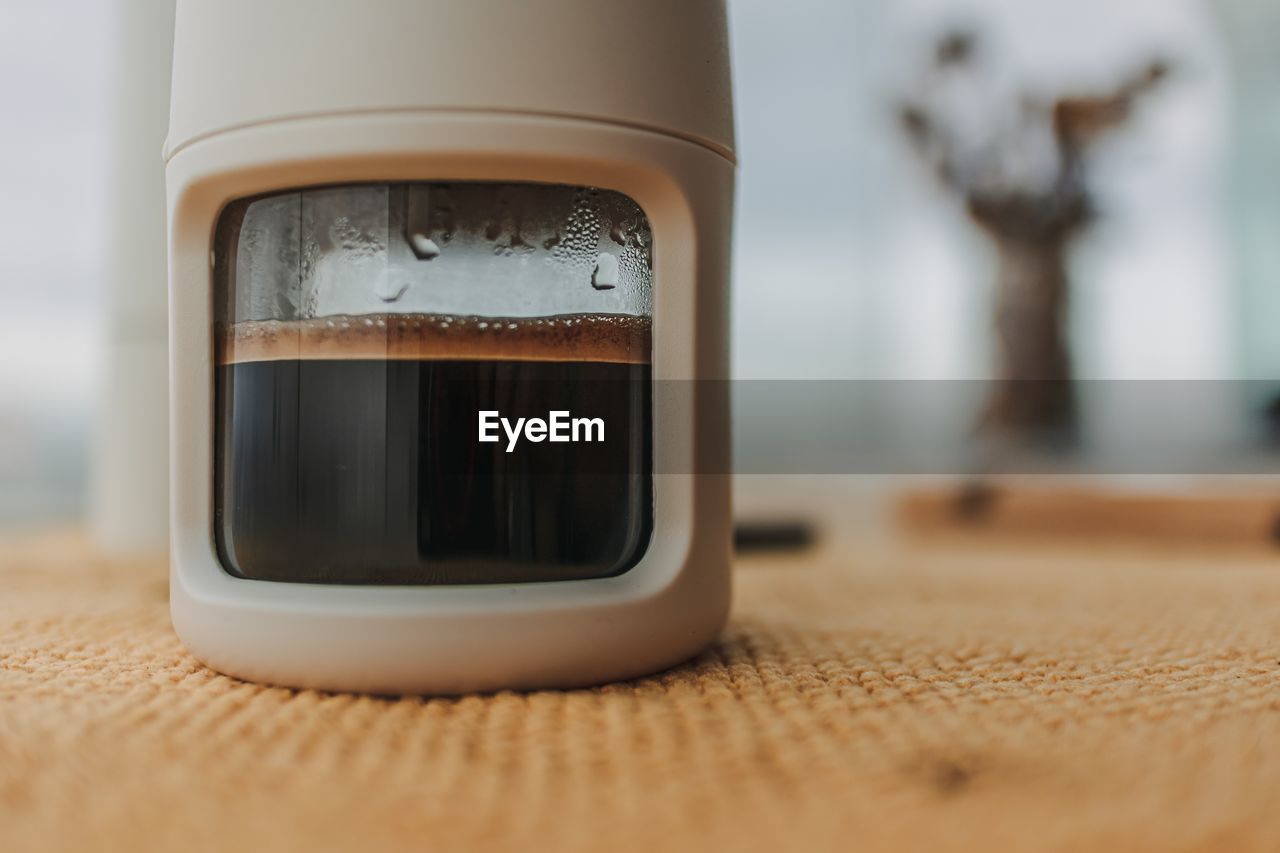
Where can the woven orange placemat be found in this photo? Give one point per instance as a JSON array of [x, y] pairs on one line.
[[927, 700]]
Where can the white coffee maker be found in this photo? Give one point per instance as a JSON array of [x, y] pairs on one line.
[[410, 188]]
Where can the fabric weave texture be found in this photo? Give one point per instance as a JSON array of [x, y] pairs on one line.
[[943, 699]]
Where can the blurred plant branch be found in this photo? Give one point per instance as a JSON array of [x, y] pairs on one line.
[[1023, 175]]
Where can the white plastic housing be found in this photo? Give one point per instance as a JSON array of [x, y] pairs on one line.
[[448, 639]]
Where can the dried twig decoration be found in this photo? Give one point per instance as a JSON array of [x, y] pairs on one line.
[[1032, 216]]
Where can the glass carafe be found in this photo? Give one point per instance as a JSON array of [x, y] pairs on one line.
[[432, 383]]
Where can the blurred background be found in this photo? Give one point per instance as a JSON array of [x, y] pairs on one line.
[[970, 192]]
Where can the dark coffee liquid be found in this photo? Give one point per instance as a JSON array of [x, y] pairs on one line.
[[348, 450]]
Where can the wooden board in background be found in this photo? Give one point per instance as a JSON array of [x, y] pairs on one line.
[[1021, 512]]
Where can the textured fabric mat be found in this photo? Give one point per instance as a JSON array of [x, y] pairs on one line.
[[938, 700]]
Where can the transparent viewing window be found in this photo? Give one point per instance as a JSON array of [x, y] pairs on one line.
[[377, 347]]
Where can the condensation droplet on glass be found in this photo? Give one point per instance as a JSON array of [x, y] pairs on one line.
[[424, 248], [391, 291], [606, 275]]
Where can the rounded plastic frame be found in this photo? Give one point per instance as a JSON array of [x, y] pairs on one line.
[[451, 639]]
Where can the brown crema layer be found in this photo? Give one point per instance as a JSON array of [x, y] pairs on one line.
[[610, 338]]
